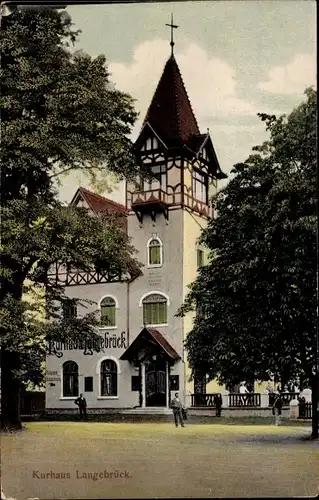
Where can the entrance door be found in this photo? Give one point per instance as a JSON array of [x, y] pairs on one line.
[[155, 383]]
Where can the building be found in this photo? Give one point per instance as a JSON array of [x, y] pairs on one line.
[[142, 360]]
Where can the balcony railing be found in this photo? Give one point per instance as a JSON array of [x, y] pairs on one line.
[[152, 196], [244, 400], [250, 400], [203, 400], [285, 396]]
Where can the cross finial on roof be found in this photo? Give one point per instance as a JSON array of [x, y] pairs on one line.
[[172, 26]]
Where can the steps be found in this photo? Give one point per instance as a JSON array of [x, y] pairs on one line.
[[152, 410]]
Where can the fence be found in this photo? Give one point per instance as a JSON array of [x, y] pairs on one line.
[[237, 400], [305, 411], [203, 400], [32, 402], [285, 396]]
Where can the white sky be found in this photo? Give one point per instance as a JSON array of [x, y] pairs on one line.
[[237, 58]]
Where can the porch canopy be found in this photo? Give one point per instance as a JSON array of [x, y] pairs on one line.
[[150, 341]]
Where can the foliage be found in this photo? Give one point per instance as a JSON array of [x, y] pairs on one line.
[[257, 295], [59, 114]]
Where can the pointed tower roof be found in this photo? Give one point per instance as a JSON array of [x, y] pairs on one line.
[[170, 113]]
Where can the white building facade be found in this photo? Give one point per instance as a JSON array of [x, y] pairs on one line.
[[141, 360]]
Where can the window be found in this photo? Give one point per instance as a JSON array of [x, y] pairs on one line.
[[108, 375], [88, 384], [155, 252], [69, 309], [155, 310], [159, 182], [200, 186], [136, 383], [108, 312], [200, 258], [70, 379], [174, 382]]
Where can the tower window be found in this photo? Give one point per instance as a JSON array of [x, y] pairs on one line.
[[200, 186], [108, 312], [108, 374], [70, 372], [159, 180], [155, 252], [154, 310]]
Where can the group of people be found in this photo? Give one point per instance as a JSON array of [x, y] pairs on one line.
[[180, 412]]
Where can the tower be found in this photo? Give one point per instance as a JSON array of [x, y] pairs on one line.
[[168, 213]]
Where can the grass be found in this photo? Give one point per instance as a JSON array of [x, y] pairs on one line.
[[160, 461]]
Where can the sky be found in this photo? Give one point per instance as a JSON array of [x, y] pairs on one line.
[[237, 58]]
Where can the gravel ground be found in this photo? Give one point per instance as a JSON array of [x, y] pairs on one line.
[[147, 460]]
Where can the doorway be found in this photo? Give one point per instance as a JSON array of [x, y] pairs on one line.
[[155, 382]]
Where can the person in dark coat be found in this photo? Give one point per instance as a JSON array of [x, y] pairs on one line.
[[177, 407], [302, 406], [276, 409], [218, 401], [81, 403]]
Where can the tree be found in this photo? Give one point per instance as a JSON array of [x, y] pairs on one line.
[[257, 295], [59, 113]]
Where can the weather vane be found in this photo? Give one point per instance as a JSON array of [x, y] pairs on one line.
[[172, 26]]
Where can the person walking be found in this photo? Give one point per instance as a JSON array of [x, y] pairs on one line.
[[276, 409], [81, 403], [177, 406]]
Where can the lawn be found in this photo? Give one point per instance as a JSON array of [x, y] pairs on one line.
[[147, 460]]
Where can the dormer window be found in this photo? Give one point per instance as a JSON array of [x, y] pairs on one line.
[[200, 186], [154, 252]]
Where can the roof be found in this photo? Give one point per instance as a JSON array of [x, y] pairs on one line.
[[149, 334], [99, 203], [195, 142], [170, 113]]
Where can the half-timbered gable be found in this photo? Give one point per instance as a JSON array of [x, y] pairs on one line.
[[183, 160]]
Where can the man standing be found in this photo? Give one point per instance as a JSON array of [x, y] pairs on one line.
[[81, 402], [218, 401], [276, 409], [177, 406]]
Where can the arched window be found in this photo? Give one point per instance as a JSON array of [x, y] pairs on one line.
[[155, 252], [154, 309], [108, 312], [108, 374], [70, 379]]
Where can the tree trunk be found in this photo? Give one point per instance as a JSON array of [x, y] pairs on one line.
[[314, 404], [10, 392]]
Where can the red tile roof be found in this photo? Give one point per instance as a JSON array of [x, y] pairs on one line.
[[161, 340], [142, 338], [170, 113], [99, 203]]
